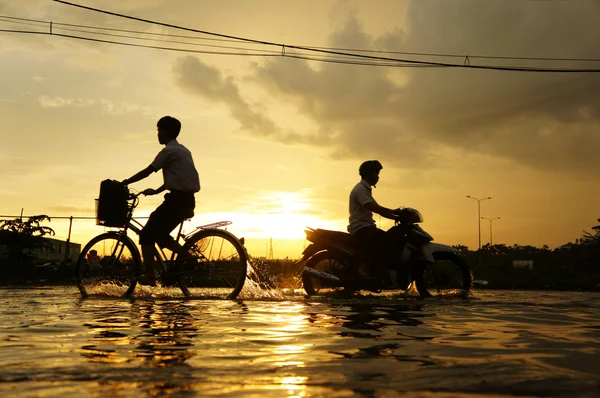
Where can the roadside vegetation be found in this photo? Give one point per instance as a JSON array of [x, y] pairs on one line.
[[572, 266]]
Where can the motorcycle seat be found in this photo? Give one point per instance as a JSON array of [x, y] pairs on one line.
[[337, 236]]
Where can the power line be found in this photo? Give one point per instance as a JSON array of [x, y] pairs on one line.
[[329, 60], [338, 60], [465, 65], [342, 57], [138, 45], [443, 55], [462, 56]]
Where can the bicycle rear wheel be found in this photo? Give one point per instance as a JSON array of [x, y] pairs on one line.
[[214, 265], [109, 265]]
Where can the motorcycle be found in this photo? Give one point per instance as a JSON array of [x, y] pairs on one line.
[[332, 262]]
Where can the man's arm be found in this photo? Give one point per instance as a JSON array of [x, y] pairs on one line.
[[382, 211], [140, 175], [152, 191]]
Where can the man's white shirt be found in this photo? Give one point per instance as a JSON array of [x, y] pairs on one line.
[[179, 172], [360, 216]]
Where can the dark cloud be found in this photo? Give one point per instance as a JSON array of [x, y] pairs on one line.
[[198, 78], [544, 120]]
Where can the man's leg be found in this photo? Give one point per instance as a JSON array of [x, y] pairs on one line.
[[148, 259], [371, 241], [149, 236], [180, 207], [172, 245], [396, 242]]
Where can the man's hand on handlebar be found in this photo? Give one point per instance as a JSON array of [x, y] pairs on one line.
[[399, 210], [150, 191]]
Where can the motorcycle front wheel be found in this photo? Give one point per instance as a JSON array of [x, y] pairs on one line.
[[448, 276], [326, 262]]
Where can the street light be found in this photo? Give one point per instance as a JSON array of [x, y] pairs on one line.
[[490, 220], [479, 200]]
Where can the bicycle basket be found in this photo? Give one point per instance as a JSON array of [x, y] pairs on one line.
[[112, 206]]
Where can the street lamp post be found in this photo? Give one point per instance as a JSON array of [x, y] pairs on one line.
[[490, 220], [479, 200]]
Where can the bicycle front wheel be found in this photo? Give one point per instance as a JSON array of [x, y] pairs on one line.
[[214, 265], [109, 265]]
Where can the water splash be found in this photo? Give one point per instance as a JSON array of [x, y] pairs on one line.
[[257, 288], [106, 289], [112, 289]]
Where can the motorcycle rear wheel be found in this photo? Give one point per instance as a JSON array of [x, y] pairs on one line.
[[326, 262], [449, 276]]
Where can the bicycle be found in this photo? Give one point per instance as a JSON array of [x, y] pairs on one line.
[[214, 263]]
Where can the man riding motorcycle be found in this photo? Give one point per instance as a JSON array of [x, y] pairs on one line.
[[378, 246]]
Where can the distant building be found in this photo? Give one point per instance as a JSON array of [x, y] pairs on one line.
[[523, 264], [54, 252], [57, 251]]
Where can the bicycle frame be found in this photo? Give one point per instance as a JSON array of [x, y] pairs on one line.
[[159, 254]]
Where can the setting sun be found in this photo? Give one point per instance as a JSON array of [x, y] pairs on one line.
[[289, 216]]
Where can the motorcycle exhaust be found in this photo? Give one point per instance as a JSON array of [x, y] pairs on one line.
[[321, 274]]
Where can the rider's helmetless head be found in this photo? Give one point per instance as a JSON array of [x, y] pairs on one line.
[[168, 129], [369, 171]]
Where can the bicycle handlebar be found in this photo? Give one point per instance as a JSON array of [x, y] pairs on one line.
[[134, 195]]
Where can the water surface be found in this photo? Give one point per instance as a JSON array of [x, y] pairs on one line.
[[496, 343]]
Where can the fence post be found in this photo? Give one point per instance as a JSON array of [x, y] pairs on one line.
[[68, 243]]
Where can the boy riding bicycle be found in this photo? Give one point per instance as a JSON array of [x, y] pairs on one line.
[[181, 180]]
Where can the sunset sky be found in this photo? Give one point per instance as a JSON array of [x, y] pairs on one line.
[[277, 140]]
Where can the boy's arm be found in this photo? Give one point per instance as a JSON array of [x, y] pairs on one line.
[[151, 191], [140, 175]]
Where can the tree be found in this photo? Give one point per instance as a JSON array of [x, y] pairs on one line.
[[590, 244], [21, 238]]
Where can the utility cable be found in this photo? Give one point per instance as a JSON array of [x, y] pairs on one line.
[[460, 56], [465, 65], [372, 60], [270, 54]]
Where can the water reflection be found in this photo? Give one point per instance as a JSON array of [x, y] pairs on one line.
[[167, 332], [157, 334], [55, 345]]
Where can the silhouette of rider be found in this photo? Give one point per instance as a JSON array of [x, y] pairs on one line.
[[181, 180], [375, 244]]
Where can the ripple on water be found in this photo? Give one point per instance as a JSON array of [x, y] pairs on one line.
[[279, 342]]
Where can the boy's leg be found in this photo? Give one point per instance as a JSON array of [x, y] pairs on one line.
[[157, 230], [173, 246], [149, 236], [148, 259], [178, 207]]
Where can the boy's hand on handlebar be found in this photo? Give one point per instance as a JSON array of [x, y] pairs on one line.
[[149, 191]]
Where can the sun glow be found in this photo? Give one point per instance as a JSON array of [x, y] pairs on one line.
[[290, 214], [281, 215]]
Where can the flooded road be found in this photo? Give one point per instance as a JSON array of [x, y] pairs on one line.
[[283, 344]]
